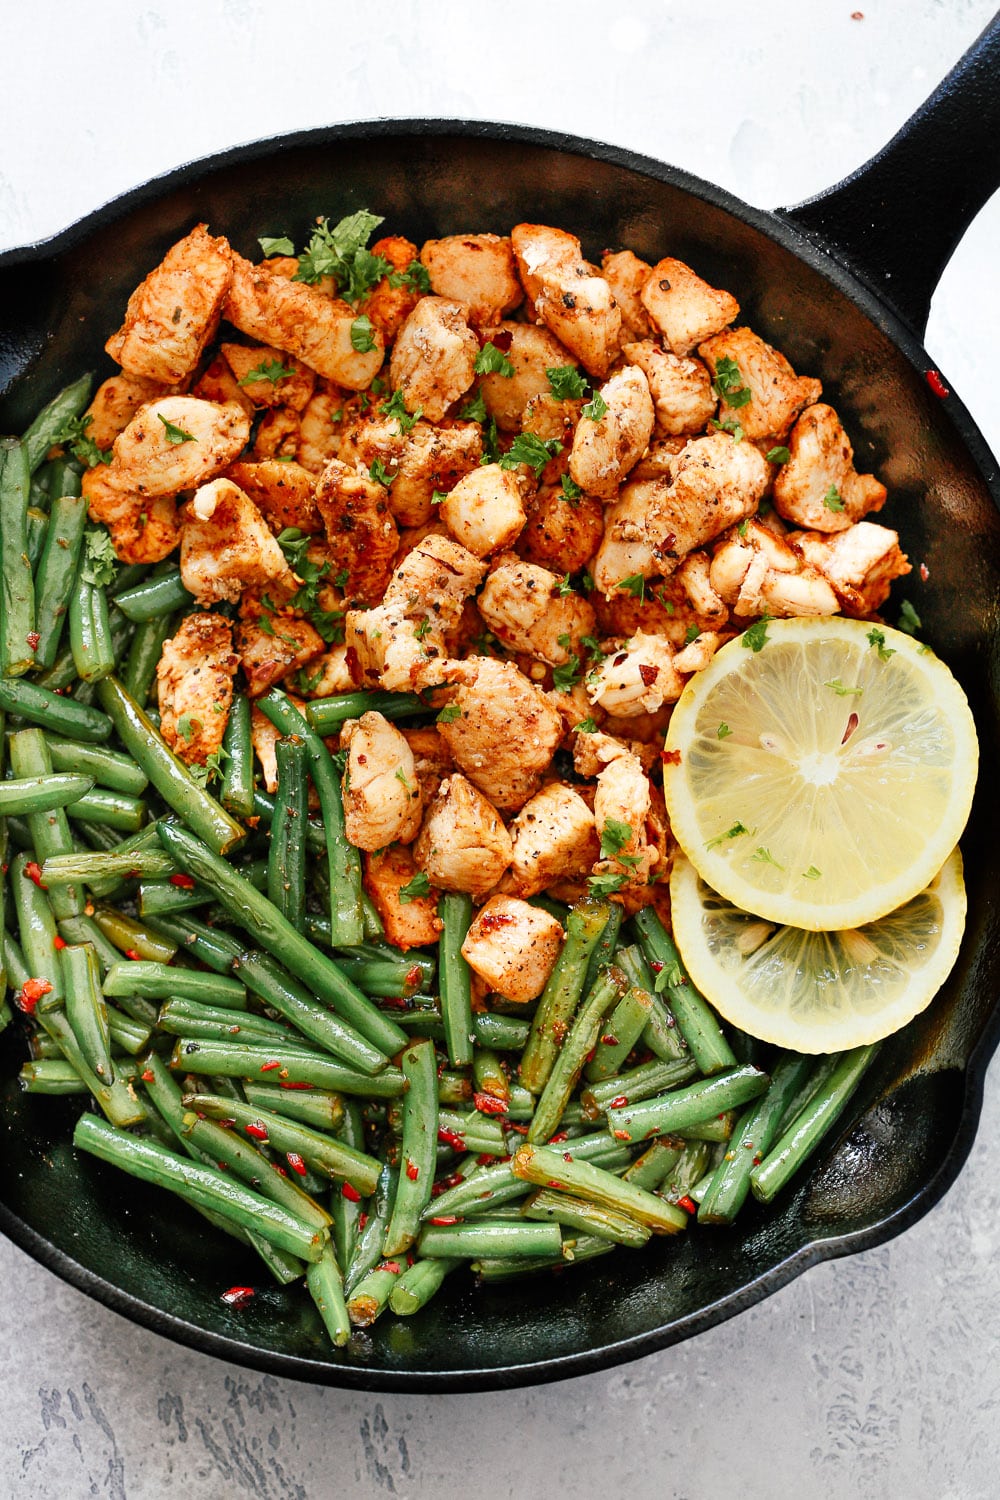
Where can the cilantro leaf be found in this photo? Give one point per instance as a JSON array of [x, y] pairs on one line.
[[280, 246], [755, 639], [449, 714], [587, 726], [691, 634], [531, 450], [187, 727], [832, 499], [571, 491], [876, 638], [474, 410], [362, 334], [728, 383], [396, 407], [595, 408], [614, 836], [730, 425], [73, 435], [416, 278], [723, 732], [268, 369], [568, 675], [379, 473], [635, 585], [176, 435], [566, 383], [340, 252], [414, 889], [778, 456], [564, 587], [605, 885], [294, 544], [100, 561], [734, 832], [909, 621], [492, 361]]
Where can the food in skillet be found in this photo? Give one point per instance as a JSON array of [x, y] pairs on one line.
[[340, 845]]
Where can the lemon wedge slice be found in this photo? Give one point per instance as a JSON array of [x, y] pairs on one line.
[[819, 991], [819, 771]]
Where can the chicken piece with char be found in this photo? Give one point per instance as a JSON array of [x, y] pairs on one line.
[[572, 299], [195, 686], [622, 807], [115, 403], [477, 270], [142, 530], [383, 802], [173, 314], [282, 492], [681, 388], [555, 839], [777, 394], [360, 528], [431, 757], [561, 533], [684, 309], [505, 734], [218, 383], [413, 923], [638, 679], [523, 606], [269, 377], [819, 488], [176, 443], [626, 275], [484, 511], [318, 431], [532, 351], [513, 947], [605, 449], [434, 356], [463, 844], [226, 547], [424, 459], [759, 573], [272, 646], [860, 564], [387, 305]]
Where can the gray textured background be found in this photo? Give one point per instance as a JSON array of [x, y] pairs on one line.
[[872, 1377]]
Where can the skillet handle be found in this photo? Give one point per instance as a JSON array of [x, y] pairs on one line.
[[897, 220]]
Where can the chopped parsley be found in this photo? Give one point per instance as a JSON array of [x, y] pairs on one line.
[[362, 334], [593, 645], [341, 252], [176, 435], [614, 836], [909, 621], [566, 383], [280, 246], [635, 585], [841, 690], [728, 383], [587, 726], [449, 714], [876, 639], [832, 499], [595, 408], [73, 435], [380, 473], [422, 629], [779, 455], [492, 361], [735, 831], [100, 563], [670, 977], [605, 885], [396, 407], [743, 527], [691, 634], [401, 776], [763, 856], [568, 675], [564, 587], [474, 410], [571, 491], [812, 873], [329, 624], [723, 732], [416, 277], [416, 888], [755, 639], [531, 450], [730, 425], [187, 728], [268, 369]]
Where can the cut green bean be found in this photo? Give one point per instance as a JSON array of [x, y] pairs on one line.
[[90, 631], [248, 1060], [502, 1033], [85, 1008], [368, 1248], [29, 758], [326, 1287], [50, 710], [661, 1033], [371, 1296], [320, 1108], [67, 869], [805, 1133], [328, 715], [691, 1164], [37, 929], [116, 1099], [154, 598], [494, 1237], [130, 1035], [695, 1017], [145, 650], [489, 1076], [159, 897], [417, 1147], [472, 1131], [624, 1027], [41, 793], [84, 929], [263, 810], [109, 809], [36, 530], [287, 853], [108, 768], [751, 1140], [56, 573], [164, 981], [604, 949], [323, 1153], [134, 938], [562, 993], [17, 589], [653, 1167], [455, 910], [686, 1106], [588, 1218], [50, 421], [236, 794], [578, 1044], [642, 1082], [550, 1169], [574, 1252], [415, 1286], [345, 1208]]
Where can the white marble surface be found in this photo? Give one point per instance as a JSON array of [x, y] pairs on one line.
[[873, 1377]]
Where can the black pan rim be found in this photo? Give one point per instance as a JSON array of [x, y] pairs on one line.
[[780, 227]]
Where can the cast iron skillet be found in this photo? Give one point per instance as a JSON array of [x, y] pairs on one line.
[[842, 285]]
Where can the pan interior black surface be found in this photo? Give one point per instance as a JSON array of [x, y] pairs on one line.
[[911, 1130]]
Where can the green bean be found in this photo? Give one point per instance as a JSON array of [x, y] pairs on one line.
[[489, 1077], [492, 1185], [547, 1168], [695, 1018], [84, 929], [805, 1133], [36, 794], [85, 1008], [64, 477], [326, 1287], [491, 1237], [67, 869], [686, 1106], [246, 1060], [154, 598], [502, 1033], [50, 421], [652, 1168], [327, 715], [130, 1035], [17, 591], [115, 1097], [472, 1132], [50, 1075], [29, 757], [51, 711], [368, 1247], [255, 913], [223, 1026], [286, 864], [455, 909], [90, 631], [131, 574], [163, 981], [816, 1079], [323, 1153], [579, 1042], [690, 1166], [225, 1148], [758, 1126], [236, 794], [641, 1082], [56, 572], [320, 1108], [37, 928], [661, 1034], [574, 1252], [263, 810], [415, 1287], [15, 969], [36, 530], [109, 809], [145, 650], [624, 1027], [417, 1147], [159, 897], [371, 1296], [108, 768], [387, 978], [589, 1218], [137, 1009], [169, 775], [562, 993], [134, 938], [604, 950], [345, 1208]]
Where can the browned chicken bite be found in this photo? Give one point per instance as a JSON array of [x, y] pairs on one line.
[[226, 548], [513, 947], [362, 533], [463, 844], [477, 270], [554, 839], [172, 315], [434, 356], [505, 734], [777, 394], [819, 487], [685, 309], [195, 686], [383, 803]]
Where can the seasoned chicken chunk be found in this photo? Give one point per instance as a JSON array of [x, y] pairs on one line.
[[176, 443], [269, 377], [383, 803], [362, 533], [463, 844], [484, 511], [570, 296], [477, 270], [523, 606], [434, 356], [195, 686], [273, 646], [606, 449], [759, 573], [226, 547], [681, 388], [554, 839], [638, 679], [622, 807], [412, 923], [218, 383], [532, 351], [387, 305], [431, 757], [318, 433], [385, 648], [513, 947], [328, 674], [712, 484], [174, 312], [626, 275], [115, 403], [777, 394], [301, 320], [561, 533], [278, 435], [819, 488], [426, 459], [282, 492], [685, 309], [860, 564], [434, 579], [694, 577], [142, 530], [505, 735], [264, 736]]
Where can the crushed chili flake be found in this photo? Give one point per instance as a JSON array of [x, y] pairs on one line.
[[412, 1170], [688, 1204], [295, 1085], [148, 1076], [32, 991], [489, 1104], [295, 1162], [656, 965], [444, 1219], [350, 1192], [133, 954], [567, 1156], [186, 882], [925, 572], [413, 977], [451, 1138], [670, 757], [553, 1183], [619, 1101], [560, 1135], [58, 942], [256, 1131], [622, 1135], [362, 1220], [936, 384], [608, 1040], [270, 1065], [237, 1296], [33, 639], [33, 870], [390, 1265]]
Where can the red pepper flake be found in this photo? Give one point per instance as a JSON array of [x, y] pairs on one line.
[[656, 965], [33, 991], [609, 1040], [282, 1171], [619, 1101], [482, 1160], [390, 1265], [936, 384], [149, 1076], [413, 977], [295, 1085], [622, 1135], [270, 1066], [32, 638], [489, 1104], [33, 870], [567, 1156], [670, 757], [185, 882], [295, 1162], [452, 1138], [133, 954], [757, 1160], [560, 1135], [350, 1192], [237, 1296], [256, 1131], [410, 1257], [444, 1219], [925, 572], [393, 1002], [362, 1220], [688, 1204], [857, 15], [553, 1183], [58, 942], [648, 673], [412, 1170]]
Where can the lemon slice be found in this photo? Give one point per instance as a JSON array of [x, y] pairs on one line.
[[819, 991], [822, 778]]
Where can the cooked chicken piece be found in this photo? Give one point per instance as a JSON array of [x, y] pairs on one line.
[[860, 563], [554, 839], [506, 735], [176, 443], [757, 572], [570, 296], [622, 804], [463, 845], [282, 492], [218, 383], [641, 733], [301, 320], [264, 736], [142, 530], [819, 488], [531, 351], [195, 686], [319, 431], [546, 417], [383, 803], [522, 605], [655, 462], [384, 648], [273, 646], [712, 484], [362, 533], [685, 309], [269, 377], [115, 403], [413, 923], [694, 577], [278, 435], [626, 275], [777, 394], [386, 305], [661, 841], [425, 460], [477, 270], [560, 533], [226, 547], [431, 757], [328, 674], [696, 655], [639, 678], [434, 356], [434, 579], [513, 947], [173, 314], [606, 449], [484, 511], [573, 706], [681, 388]]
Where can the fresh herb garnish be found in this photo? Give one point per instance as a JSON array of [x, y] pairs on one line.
[[755, 638], [733, 832], [691, 634], [492, 361], [876, 638], [396, 407], [832, 499], [605, 885], [635, 585], [449, 714], [73, 435], [763, 856], [841, 690], [566, 383], [176, 435], [380, 473], [909, 621], [268, 369], [728, 383], [587, 726], [280, 246], [529, 449], [723, 732], [100, 563], [416, 278], [362, 334], [614, 836], [778, 456], [595, 408], [340, 252], [571, 491], [416, 888], [474, 410]]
